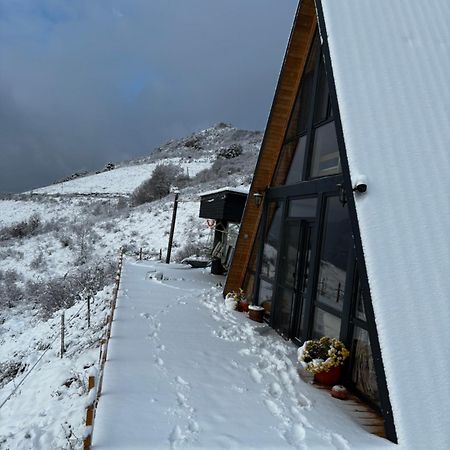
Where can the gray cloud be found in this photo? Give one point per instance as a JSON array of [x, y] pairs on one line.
[[90, 81]]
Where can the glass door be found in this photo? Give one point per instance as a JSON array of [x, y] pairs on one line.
[[293, 265], [285, 292]]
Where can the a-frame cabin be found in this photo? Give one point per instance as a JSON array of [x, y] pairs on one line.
[[351, 239]]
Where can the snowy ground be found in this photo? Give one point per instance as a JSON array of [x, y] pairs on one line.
[[122, 180], [82, 224], [47, 411], [183, 372]]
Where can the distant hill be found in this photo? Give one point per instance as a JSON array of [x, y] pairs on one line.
[[193, 153]]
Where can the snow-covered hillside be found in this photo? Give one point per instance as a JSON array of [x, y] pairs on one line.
[[59, 244], [193, 154]]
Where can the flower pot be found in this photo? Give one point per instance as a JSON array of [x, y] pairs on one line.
[[329, 378], [256, 313], [243, 306]]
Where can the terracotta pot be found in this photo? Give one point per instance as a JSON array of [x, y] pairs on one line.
[[256, 313], [329, 378], [243, 306]]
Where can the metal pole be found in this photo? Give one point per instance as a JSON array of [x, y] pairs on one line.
[[172, 228]]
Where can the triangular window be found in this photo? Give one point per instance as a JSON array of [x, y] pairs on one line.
[[310, 148]]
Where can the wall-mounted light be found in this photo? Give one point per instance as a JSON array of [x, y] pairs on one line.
[[258, 197]]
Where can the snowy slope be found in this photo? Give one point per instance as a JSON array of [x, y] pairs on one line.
[[122, 180]]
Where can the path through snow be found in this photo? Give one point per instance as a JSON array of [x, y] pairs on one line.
[[184, 372]]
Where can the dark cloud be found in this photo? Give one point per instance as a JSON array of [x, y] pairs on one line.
[[89, 81]]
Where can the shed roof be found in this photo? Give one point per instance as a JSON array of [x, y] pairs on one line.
[[391, 68]]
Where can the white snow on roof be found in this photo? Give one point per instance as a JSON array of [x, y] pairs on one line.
[[240, 190], [391, 67]]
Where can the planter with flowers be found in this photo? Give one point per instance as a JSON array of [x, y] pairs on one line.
[[324, 358], [237, 300]]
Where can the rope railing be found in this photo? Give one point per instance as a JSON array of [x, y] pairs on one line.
[[95, 379]]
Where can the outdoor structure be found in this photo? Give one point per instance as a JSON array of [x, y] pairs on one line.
[[352, 238], [221, 207]]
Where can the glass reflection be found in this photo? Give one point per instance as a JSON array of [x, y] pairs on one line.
[[337, 243], [272, 241]]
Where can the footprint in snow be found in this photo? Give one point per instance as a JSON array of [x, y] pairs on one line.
[[182, 381], [295, 435], [273, 408], [176, 437], [256, 375], [182, 400], [339, 442], [275, 390]]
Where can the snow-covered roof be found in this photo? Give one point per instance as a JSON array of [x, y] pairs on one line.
[[239, 190], [391, 68]]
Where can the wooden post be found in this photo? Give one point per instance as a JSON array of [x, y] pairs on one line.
[[140, 254], [87, 442], [160, 254], [89, 311], [62, 334], [172, 228]]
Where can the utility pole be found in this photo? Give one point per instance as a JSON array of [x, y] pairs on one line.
[[172, 228]]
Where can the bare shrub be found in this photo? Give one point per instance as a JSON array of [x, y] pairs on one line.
[[63, 292], [22, 229], [10, 290], [38, 262]]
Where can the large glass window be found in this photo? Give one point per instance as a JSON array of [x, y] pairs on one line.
[[322, 106], [337, 242], [272, 240], [269, 256], [325, 154], [303, 208], [363, 373], [295, 173], [326, 324]]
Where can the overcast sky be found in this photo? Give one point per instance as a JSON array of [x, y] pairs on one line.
[[85, 82]]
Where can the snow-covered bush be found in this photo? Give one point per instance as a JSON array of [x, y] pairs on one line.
[[10, 289], [230, 152], [158, 185], [22, 229]]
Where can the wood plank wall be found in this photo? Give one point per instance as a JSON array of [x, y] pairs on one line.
[[302, 34]]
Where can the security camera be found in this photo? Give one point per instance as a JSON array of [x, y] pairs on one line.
[[360, 185]]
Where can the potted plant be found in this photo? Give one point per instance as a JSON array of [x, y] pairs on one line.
[[239, 298], [256, 313], [324, 358]]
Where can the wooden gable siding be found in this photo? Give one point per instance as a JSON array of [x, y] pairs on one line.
[[302, 35]]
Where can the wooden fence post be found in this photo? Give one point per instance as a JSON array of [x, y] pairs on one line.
[[62, 335], [87, 441], [89, 311]]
